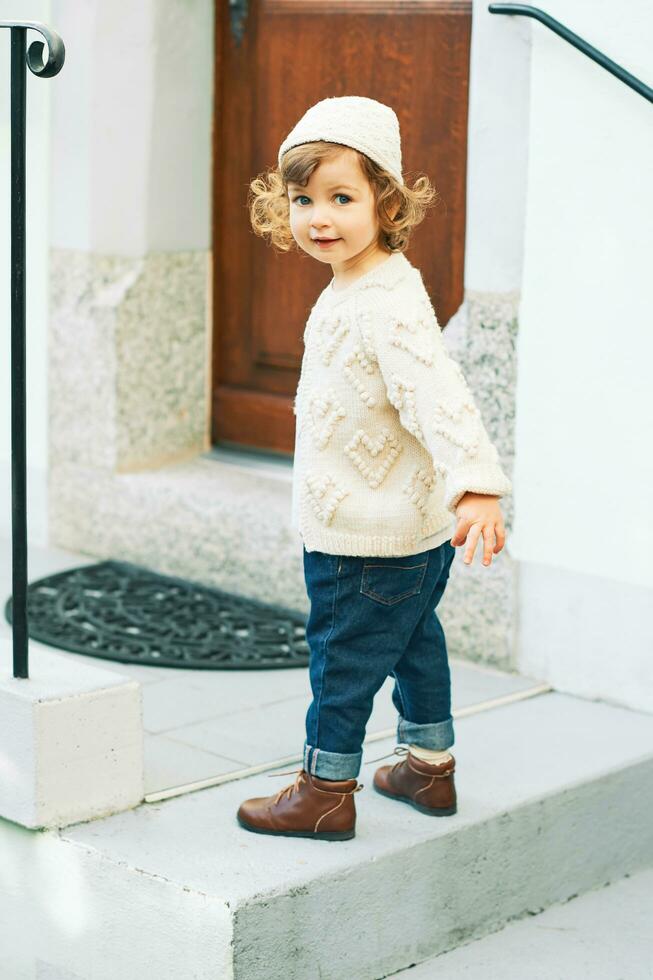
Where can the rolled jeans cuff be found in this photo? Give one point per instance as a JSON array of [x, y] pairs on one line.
[[436, 735], [331, 765]]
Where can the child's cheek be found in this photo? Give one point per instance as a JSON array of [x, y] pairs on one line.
[[294, 225]]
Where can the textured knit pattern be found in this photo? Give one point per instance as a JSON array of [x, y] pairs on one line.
[[388, 435], [352, 120]]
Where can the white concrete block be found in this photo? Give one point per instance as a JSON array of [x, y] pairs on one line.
[[71, 740], [597, 645]]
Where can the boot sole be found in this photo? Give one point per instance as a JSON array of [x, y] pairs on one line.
[[431, 811], [320, 835]]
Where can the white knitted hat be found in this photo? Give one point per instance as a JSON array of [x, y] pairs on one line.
[[352, 120]]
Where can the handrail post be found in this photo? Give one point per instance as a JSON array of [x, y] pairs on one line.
[[20, 57], [18, 419]]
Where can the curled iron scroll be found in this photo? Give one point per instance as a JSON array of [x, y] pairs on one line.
[[34, 56], [237, 17]]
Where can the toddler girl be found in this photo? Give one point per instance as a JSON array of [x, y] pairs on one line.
[[390, 453]]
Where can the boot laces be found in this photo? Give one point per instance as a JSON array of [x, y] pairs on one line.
[[292, 787], [398, 750], [403, 750], [301, 777]]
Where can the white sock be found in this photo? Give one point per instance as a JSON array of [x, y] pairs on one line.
[[429, 755]]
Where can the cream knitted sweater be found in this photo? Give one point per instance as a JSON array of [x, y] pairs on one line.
[[388, 437]]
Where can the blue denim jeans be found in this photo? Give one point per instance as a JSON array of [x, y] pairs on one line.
[[371, 618]]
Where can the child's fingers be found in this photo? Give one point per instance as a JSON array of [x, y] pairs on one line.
[[501, 538], [488, 543], [472, 538], [459, 535]]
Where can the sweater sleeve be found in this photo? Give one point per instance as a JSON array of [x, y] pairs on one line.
[[430, 393]]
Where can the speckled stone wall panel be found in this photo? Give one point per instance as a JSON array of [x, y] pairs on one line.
[[128, 358], [163, 362], [479, 608], [82, 356]]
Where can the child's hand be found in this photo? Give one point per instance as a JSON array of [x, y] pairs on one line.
[[476, 513]]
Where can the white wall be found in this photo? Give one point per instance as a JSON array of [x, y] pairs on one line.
[[37, 222], [497, 151], [131, 147], [560, 201], [119, 162], [584, 468]]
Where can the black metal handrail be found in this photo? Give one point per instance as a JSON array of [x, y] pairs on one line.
[[33, 58], [525, 10]]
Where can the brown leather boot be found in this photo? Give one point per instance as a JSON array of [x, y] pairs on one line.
[[428, 788], [311, 807]]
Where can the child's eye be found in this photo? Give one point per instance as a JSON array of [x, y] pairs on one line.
[[299, 196]]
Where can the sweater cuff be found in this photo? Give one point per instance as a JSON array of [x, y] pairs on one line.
[[480, 478]]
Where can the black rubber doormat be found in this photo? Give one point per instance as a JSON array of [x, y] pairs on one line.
[[115, 610]]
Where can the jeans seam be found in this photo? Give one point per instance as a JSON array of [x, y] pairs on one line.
[[324, 662], [401, 695]]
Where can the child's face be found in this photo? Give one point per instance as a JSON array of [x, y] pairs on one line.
[[337, 203]]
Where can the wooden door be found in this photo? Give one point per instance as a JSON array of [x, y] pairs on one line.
[[281, 57]]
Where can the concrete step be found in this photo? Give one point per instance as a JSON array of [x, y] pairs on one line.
[[604, 934], [555, 796]]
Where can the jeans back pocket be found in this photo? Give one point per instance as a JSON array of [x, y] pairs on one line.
[[392, 581]]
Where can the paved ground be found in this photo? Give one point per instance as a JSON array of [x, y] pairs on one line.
[[603, 935]]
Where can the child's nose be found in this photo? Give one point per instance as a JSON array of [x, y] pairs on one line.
[[319, 218]]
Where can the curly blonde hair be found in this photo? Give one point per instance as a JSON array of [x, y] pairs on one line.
[[269, 207]]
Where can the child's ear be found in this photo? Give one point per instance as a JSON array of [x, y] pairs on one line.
[[392, 211]]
